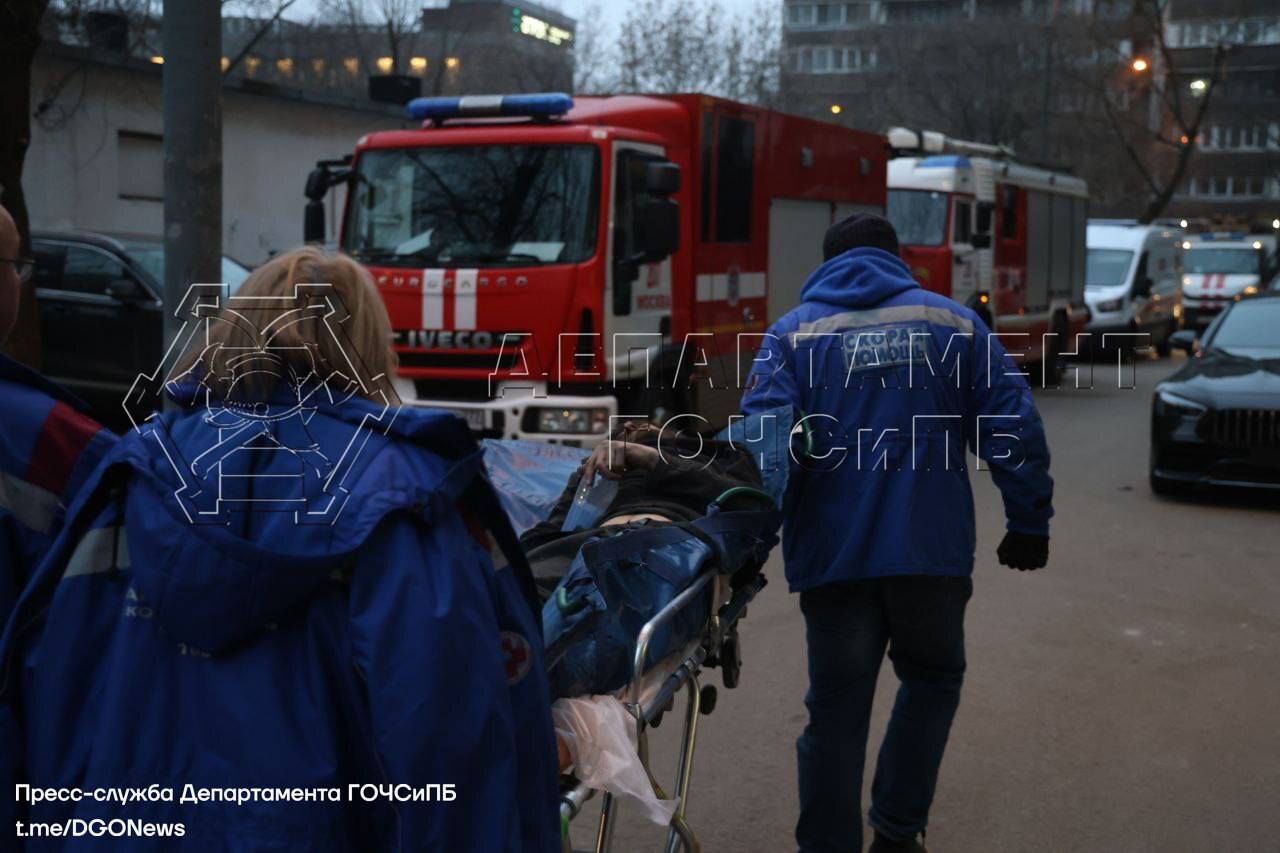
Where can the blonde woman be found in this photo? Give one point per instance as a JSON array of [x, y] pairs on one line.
[[284, 591]]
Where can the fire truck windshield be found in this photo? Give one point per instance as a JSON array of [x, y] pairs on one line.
[[919, 216], [492, 205]]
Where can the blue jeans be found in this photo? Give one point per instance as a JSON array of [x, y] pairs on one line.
[[848, 626]]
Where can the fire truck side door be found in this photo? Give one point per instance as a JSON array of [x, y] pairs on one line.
[[964, 272], [634, 309]]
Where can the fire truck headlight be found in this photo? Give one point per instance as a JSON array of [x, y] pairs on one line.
[[573, 421]]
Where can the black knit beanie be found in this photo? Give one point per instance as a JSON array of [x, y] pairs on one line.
[[857, 231]]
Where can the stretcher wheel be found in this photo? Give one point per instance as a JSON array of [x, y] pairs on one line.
[[731, 660], [707, 700]]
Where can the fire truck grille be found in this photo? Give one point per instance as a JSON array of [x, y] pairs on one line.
[[1244, 427], [474, 360]]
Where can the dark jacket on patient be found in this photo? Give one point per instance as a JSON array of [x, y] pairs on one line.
[[678, 488]]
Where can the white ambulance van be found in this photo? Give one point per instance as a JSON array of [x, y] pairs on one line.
[[1133, 278]]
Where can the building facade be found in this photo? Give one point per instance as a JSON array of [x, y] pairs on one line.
[[1060, 82], [1234, 179], [96, 160], [496, 46]]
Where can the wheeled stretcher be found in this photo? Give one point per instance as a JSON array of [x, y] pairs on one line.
[[683, 590]]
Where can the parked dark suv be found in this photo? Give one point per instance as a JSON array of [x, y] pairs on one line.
[[100, 312]]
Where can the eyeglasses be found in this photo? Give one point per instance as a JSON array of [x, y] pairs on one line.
[[22, 266]]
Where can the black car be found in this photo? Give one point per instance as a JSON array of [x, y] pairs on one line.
[[100, 313], [1216, 421]]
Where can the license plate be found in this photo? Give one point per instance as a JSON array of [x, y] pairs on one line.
[[474, 417]]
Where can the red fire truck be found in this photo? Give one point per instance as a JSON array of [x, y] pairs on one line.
[[549, 263], [1004, 238]]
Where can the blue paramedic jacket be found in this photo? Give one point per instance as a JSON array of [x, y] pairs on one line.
[[48, 449], [380, 646], [894, 383]]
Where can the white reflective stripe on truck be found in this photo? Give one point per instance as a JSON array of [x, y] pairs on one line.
[[433, 299], [464, 299]]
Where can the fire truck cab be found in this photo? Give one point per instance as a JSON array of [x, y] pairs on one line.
[[1004, 238], [550, 263]]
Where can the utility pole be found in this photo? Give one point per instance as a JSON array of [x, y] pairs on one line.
[[191, 31]]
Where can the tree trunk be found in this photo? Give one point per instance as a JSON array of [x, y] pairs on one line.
[[19, 38]]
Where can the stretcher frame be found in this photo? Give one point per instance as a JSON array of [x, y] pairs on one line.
[[646, 705]]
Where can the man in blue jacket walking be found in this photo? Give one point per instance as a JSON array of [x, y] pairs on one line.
[[895, 383]]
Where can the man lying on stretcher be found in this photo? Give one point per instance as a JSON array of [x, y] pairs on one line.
[[661, 477]]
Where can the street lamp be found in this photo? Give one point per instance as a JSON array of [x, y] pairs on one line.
[[835, 109], [1139, 65]]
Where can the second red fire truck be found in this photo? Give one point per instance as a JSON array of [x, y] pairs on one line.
[[549, 263], [1005, 238]]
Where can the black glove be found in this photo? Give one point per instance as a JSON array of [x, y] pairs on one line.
[[1023, 551]]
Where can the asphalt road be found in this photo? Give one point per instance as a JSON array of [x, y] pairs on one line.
[[1126, 698]]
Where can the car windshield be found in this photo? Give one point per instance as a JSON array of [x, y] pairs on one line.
[[150, 256], [1250, 325], [919, 216], [1107, 267], [492, 205], [1229, 261]]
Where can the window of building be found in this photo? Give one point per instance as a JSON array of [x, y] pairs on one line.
[[140, 166], [1247, 31], [857, 13], [800, 15], [825, 59]]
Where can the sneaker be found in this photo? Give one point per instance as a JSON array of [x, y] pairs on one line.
[[885, 844]]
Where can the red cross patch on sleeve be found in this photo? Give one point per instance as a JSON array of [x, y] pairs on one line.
[[516, 656]]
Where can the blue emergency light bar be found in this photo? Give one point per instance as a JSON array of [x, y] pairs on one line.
[[540, 105]]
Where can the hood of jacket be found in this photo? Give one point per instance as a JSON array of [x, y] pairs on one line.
[[232, 522], [858, 278]]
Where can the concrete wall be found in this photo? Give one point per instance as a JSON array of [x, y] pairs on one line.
[[73, 176]]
